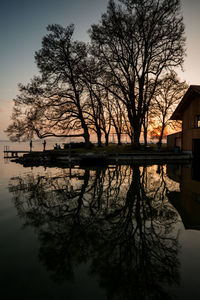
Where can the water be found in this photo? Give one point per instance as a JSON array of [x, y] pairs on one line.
[[121, 232]]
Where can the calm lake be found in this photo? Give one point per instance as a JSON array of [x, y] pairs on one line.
[[115, 232]]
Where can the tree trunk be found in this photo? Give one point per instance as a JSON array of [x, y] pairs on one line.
[[107, 138], [135, 138], [145, 136], [119, 139], [99, 138], [87, 139], [161, 134], [136, 144], [86, 134]]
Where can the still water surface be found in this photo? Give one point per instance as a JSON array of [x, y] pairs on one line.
[[116, 232]]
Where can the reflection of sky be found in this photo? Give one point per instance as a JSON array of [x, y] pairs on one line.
[[22, 26]]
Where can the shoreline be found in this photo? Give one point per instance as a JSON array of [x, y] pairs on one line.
[[67, 158]]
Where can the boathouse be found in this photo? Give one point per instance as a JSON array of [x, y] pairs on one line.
[[188, 111]]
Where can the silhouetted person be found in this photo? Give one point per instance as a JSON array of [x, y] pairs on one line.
[[44, 145], [57, 146], [31, 145]]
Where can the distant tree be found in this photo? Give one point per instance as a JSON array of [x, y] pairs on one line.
[[170, 91], [55, 103], [135, 43]]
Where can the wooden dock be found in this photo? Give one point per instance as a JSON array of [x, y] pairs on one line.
[[13, 153]]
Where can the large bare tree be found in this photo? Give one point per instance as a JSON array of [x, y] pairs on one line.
[[136, 42], [54, 104]]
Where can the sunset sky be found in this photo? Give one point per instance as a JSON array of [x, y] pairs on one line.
[[23, 24]]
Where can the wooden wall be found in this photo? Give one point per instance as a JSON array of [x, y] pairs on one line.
[[190, 131]]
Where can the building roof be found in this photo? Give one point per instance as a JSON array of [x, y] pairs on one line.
[[186, 100]]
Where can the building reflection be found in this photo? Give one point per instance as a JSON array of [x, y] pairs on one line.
[[187, 201], [116, 219]]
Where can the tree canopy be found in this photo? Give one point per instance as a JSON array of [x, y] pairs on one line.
[[134, 44]]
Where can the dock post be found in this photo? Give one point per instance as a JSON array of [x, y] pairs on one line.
[[6, 149]]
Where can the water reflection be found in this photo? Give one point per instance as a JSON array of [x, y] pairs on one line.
[[187, 200], [117, 219]]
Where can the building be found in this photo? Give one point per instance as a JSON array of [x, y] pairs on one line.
[[188, 111]]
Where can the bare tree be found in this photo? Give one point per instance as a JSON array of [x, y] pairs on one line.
[[54, 104], [136, 42], [169, 93]]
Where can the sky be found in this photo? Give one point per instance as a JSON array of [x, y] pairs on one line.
[[23, 24]]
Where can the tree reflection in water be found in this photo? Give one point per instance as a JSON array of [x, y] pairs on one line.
[[117, 219]]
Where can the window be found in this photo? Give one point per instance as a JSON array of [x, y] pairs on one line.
[[198, 121]]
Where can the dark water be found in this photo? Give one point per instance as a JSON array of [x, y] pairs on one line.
[[116, 232]]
